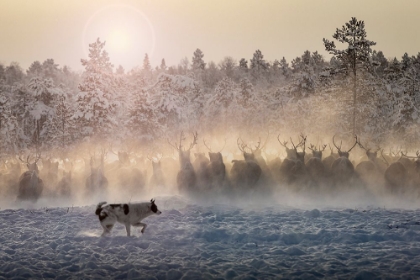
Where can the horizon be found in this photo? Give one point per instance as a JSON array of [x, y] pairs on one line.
[[36, 31]]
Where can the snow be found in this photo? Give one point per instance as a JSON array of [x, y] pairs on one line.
[[289, 237]]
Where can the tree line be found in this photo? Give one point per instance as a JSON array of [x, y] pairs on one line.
[[358, 91]]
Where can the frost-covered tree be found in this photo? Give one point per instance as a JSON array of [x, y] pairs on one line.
[[13, 73], [258, 66], [243, 64], [211, 75], [380, 63], [120, 70], [197, 61], [284, 67], [35, 69], [357, 55], [10, 131], [228, 66], [96, 99], [172, 102], [163, 66], [221, 113], [146, 64], [60, 128]]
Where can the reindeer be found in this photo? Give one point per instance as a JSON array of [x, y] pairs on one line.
[[96, 183], [130, 179], [200, 167], [30, 185], [316, 169], [245, 174], [49, 173], [157, 180], [378, 164], [216, 169], [64, 186], [186, 177], [293, 171], [10, 179], [329, 160], [342, 169], [396, 176], [371, 171]]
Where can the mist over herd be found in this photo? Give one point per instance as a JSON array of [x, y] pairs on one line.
[[203, 130]]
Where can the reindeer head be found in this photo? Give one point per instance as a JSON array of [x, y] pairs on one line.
[[184, 154], [344, 153], [216, 157], [32, 166], [317, 152], [248, 155], [371, 155], [290, 153]]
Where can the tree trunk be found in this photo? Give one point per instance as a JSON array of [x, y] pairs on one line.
[[354, 93]]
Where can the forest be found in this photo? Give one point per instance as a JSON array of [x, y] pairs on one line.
[[49, 108]]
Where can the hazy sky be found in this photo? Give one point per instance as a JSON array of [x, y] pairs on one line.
[[173, 29]]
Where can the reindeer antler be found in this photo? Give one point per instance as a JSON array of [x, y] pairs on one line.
[[284, 144], [195, 134], [205, 145]]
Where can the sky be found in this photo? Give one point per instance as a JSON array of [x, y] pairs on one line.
[[174, 29]]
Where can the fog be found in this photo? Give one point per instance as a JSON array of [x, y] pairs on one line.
[[131, 181]]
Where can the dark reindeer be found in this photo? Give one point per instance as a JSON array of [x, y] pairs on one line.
[[396, 176], [379, 164], [30, 185], [64, 186], [157, 180], [245, 174], [96, 183], [293, 170], [371, 171], [342, 169], [329, 160], [216, 170], [49, 173], [316, 168], [130, 179], [186, 177], [10, 179]]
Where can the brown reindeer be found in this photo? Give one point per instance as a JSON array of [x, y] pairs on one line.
[[293, 171], [157, 181], [30, 185], [396, 176], [316, 168], [96, 183], [342, 169], [186, 177], [245, 174]]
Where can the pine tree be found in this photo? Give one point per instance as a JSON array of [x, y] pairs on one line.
[[96, 104], [197, 60], [147, 68], [284, 67], [243, 64], [258, 65], [163, 66], [355, 57]]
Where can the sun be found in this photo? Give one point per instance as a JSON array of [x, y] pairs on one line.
[[127, 31], [119, 40]]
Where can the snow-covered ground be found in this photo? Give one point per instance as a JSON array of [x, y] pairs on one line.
[[302, 237]]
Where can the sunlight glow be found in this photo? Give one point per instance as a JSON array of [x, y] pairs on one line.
[[127, 31], [119, 40]]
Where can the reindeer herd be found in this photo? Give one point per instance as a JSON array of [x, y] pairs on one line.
[[305, 167]]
